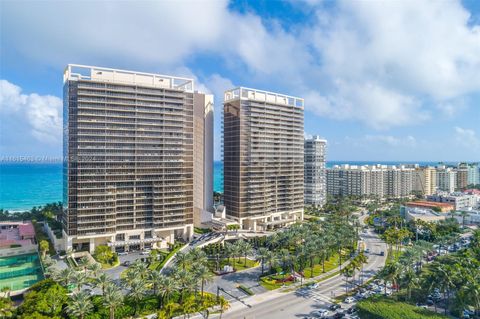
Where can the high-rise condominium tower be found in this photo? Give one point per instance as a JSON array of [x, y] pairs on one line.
[[132, 157], [315, 172], [263, 158]]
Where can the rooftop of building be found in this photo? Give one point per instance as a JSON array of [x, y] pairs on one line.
[[243, 93], [77, 72], [16, 233], [425, 203], [371, 167], [472, 191], [316, 138]]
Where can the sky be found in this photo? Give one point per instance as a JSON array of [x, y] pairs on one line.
[[382, 80]]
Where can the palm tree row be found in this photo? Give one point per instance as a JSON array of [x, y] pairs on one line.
[[455, 276], [181, 291]]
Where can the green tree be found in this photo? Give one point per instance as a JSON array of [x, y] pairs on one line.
[[112, 299], [262, 253], [6, 308], [203, 274], [102, 281], [79, 305], [104, 255], [44, 247], [137, 291]]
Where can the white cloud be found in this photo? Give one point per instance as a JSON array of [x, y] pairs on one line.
[[468, 138], [42, 113], [378, 140], [387, 63], [384, 64]]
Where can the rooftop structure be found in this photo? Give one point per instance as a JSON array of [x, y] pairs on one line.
[[444, 207]]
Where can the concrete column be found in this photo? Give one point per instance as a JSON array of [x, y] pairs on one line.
[[142, 238], [92, 245], [255, 225]]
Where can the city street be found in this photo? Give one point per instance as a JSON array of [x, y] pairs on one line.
[[297, 304]]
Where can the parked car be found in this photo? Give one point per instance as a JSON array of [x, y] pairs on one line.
[[382, 253], [338, 315], [349, 300], [145, 252], [322, 313], [352, 310], [367, 251], [334, 307], [126, 263], [122, 253]]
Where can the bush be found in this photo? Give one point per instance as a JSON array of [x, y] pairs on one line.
[[385, 308], [246, 290]]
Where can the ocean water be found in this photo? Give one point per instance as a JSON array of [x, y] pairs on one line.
[[23, 186]]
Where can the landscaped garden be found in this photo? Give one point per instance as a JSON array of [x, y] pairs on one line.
[[142, 291], [384, 308]]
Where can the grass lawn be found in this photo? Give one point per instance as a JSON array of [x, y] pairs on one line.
[[385, 308], [236, 264], [318, 268], [159, 264], [108, 266]]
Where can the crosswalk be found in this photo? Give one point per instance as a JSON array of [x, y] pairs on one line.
[[314, 295]]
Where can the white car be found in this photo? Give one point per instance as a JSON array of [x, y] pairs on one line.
[[145, 252], [123, 253], [322, 313], [349, 300]]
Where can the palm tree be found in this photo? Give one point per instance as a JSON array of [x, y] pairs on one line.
[[102, 282], [80, 280], [203, 274], [155, 277], [112, 298], [182, 259], [84, 263], [271, 259], [237, 249], [184, 279], [66, 276], [94, 268], [198, 256], [245, 248], [166, 286], [262, 253], [80, 304], [137, 291]]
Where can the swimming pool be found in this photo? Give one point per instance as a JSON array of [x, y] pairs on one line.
[[20, 272]]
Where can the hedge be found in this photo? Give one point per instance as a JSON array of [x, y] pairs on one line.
[[384, 308]]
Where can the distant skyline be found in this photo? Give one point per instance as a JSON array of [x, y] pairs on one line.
[[382, 81]]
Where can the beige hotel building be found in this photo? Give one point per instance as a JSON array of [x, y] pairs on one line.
[[138, 158], [263, 158]]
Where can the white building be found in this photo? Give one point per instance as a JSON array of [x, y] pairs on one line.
[[315, 171], [368, 180], [461, 201], [446, 178]]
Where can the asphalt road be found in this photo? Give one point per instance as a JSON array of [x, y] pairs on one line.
[[302, 303]]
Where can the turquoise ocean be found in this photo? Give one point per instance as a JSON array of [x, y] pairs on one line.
[[24, 185]]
